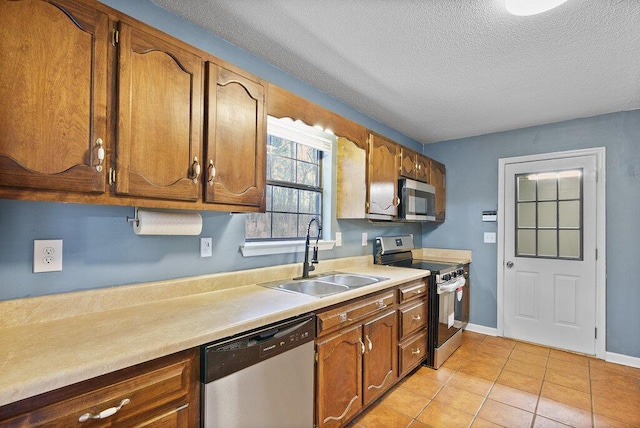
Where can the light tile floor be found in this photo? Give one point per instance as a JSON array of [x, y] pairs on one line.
[[493, 382]]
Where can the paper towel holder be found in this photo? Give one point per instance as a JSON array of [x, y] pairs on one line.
[[135, 218]]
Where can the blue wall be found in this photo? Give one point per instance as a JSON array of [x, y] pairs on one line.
[[472, 186]]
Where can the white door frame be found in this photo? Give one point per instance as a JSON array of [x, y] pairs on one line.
[[601, 279]]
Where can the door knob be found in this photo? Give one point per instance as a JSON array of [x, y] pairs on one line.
[[509, 264]]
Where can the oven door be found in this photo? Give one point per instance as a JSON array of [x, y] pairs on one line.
[[449, 322], [417, 201]]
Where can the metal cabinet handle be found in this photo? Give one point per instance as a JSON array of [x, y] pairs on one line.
[[396, 201], [416, 351], [363, 350], [100, 154], [416, 318], [370, 343], [417, 291], [380, 304], [195, 169], [105, 413], [212, 173], [509, 264]]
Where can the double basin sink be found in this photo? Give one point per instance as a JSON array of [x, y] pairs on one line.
[[326, 285]]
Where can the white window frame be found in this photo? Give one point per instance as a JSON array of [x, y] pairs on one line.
[[324, 141]]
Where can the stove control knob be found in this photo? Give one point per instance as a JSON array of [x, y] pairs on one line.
[[446, 277]]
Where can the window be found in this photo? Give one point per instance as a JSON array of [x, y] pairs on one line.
[[549, 215], [295, 185]]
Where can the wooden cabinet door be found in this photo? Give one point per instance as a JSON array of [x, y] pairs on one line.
[[423, 169], [53, 95], [159, 117], [382, 177], [408, 165], [380, 366], [339, 376], [236, 139], [438, 176]]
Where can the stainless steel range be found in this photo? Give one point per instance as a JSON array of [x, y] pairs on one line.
[[448, 297]]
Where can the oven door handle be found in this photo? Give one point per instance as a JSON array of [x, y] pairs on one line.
[[451, 286]]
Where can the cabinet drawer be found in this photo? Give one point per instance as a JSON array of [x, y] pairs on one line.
[[351, 312], [158, 392], [411, 352], [412, 318], [412, 290]]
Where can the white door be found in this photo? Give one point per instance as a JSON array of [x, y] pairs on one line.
[[549, 272]]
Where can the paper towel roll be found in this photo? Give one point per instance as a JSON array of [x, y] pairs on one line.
[[167, 223]]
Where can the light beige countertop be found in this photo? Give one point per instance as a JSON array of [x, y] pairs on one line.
[[52, 341]]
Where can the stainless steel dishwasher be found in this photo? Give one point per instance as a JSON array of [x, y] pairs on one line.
[[261, 379]]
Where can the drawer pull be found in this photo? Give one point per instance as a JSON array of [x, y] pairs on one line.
[[417, 291], [416, 351], [105, 413], [370, 343], [380, 304], [416, 318]]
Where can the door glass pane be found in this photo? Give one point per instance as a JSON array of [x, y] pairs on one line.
[[527, 214], [570, 244], [569, 185], [526, 189], [547, 185], [526, 243], [547, 243], [547, 214], [569, 214]]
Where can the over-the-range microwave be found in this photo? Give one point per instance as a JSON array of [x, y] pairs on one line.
[[417, 201]]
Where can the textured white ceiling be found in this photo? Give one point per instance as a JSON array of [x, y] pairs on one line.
[[437, 70]]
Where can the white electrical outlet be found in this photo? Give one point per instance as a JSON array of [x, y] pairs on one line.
[[364, 239], [47, 255], [205, 247], [338, 239]]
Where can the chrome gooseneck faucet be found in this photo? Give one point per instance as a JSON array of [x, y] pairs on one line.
[[308, 267]]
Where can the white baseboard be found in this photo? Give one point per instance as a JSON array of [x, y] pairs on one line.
[[610, 357], [477, 328], [627, 360]]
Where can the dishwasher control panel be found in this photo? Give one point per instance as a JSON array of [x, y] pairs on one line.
[[231, 355]]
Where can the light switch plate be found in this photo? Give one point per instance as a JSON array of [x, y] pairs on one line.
[[364, 239], [489, 237], [205, 247], [47, 255]]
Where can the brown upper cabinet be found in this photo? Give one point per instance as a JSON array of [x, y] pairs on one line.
[[53, 95], [382, 178], [235, 139], [438, 180], [414, 165], [159, 117]]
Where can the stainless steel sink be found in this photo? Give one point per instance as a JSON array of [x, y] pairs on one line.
[[351, 280], [312, 287], [326, 285]]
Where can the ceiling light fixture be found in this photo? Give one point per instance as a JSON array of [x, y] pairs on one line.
[[530, 7]]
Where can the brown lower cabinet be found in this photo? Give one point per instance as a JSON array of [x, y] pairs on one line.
[[159, 393], [364, 347]]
